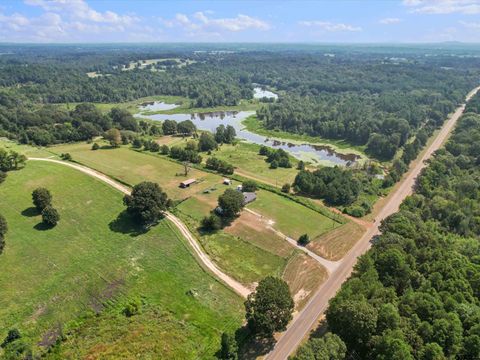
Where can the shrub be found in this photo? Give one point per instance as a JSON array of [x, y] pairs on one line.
[[164, 150], [41, 198], [303, 240], [50, 216], [66, 157], [249, 186], [211, 223], [95, 146], [132, 308], [286, 188]]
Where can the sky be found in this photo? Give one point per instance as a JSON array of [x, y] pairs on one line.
[[361, 21]]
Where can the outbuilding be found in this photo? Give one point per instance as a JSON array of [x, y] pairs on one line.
[[186, 183], [227, 181]]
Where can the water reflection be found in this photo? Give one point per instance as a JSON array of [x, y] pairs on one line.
[[156, 106], [210, 121], [259, 93]]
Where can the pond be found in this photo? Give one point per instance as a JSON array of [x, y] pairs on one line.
[[259, 93], [307, 152], [156, 106]]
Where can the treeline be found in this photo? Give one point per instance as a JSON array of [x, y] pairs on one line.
[[416, 293], [45, 125]]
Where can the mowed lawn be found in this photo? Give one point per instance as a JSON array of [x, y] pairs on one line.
[[133, 167], [249, 163], [290, 218], [96, 261]]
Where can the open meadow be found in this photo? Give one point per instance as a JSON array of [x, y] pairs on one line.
[[96, 261]]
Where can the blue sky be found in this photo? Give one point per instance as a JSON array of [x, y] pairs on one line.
[[239, 21]]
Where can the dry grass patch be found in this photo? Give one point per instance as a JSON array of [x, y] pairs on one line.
[[303, 275], [256, 231], [335, 244]]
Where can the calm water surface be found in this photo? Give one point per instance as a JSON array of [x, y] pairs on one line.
[[210, 121]]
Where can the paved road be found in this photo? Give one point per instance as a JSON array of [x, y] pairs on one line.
[[305, 320], [199, 253]]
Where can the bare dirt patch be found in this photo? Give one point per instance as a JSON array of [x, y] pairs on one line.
[[303, 275], [336, 243]]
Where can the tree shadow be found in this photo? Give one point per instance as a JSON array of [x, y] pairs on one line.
[[251, 346], [125, 224], [30, 212], [41, 226]]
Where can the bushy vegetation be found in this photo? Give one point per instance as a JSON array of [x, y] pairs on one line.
[[221, 166], [415, 294], [147, 203], [276, 157]]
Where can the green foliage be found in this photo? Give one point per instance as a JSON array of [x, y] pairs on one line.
[[50, 216], [415, 294], [133, 307], [206, 142], [286, 188], [11, 160], [221, 166], [249, 186], [164, 150], [66, 157], [3, 226], [225, 135], [270, 307], [231, 203], [211, 223], [336, 185], [95, 146], [303, 240], [41, 198], [229, 347], [178, 153], [147, 202], [114, 137], [13, 334], [169, 127], [154, 146], [186, 128], [328, 347]]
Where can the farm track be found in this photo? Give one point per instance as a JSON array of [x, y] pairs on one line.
[[199, 253], [306, 319]]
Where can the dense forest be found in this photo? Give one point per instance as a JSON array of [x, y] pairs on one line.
[[416, 293], [378, 97]]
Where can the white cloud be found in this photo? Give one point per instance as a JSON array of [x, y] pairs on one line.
[[329, 26], [201, 22], [389, 21], [468, 7], [79, 9], [471, 25]]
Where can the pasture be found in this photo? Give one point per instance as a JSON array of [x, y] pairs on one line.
[[95, 261]]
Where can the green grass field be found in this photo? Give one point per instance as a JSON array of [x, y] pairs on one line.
[[133, 167], [291, 218], [95, 261], [249, 163]]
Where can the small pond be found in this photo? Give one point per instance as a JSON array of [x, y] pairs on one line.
[[156, 106], [259, 93], [210, 121]]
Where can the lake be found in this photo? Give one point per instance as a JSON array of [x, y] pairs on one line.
[[211, 120], [156, 106], [259, 93]]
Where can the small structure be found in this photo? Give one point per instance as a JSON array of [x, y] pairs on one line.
[[239, 188], [227, 181], [248, 197], [186, 183]]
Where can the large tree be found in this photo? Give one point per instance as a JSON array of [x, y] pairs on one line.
[[147, 202], [50, 216], [231, 202], [270, 307]]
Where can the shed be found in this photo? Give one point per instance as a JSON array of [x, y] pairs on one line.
[[186, 183], [227, 181], [248, 197]]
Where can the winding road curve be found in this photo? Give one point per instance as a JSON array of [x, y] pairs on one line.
[[305, 320], [200, 254]]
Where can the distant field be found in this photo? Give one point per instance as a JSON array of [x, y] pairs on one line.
[[94, 261], [133, 167], [249, 163]]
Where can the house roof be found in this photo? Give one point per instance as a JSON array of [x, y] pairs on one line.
[[188, 182], [248, 197]]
